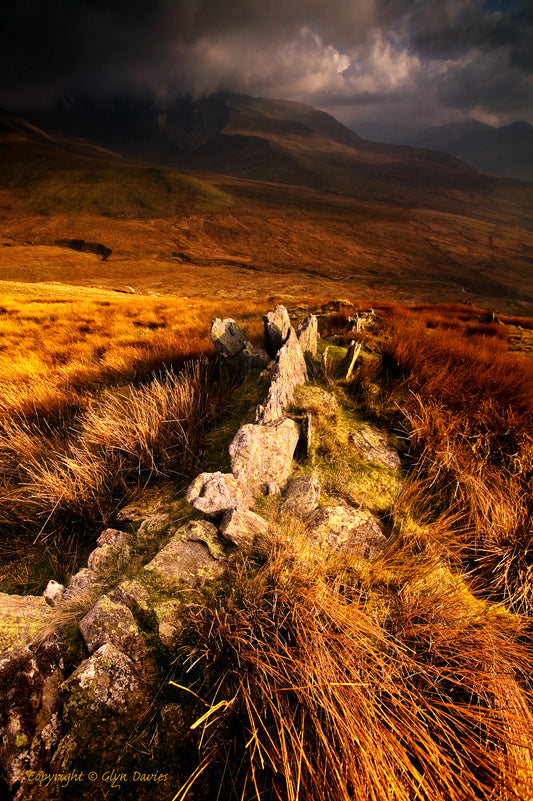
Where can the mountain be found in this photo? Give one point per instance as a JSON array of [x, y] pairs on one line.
[[505, 151], [245, 196]]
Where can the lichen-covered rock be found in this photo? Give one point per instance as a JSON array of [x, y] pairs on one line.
[[215, 493], [242, 528], [308, 336], [53, 593], [185, 562], [354, 530], [302, 496], [289, 371], [111, 622], [170, 622], [152, 530], [373, 445], [277, 325], [29, 713], [261, 455], [113, 552], [229, 338], [105, 694], [21, 617], [132, 594], [205, 532]]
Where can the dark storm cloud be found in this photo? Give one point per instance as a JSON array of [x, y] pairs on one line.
[[456, 56]]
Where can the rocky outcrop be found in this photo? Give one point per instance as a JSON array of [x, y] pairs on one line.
[[354, 530], [277, 326], [288, 372]]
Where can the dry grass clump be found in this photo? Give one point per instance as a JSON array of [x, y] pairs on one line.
[[467, 404], [325, 678]]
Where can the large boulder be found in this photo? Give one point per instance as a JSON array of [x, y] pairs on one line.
[[216, 493], [354, 530], [261, 455], [289, 371], [190, 558], [277, 325]]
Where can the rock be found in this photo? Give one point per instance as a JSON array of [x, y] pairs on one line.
[[229, 338], [216, 493], [152, 530], [53, 593], [354, 530], [302, 496], [354, 349], [21, 617], [206, 533], [103, 696], [29, 713], [137, 598], [170, 621], [113, 553], [243, 528], [85, 580], [372, 444], [289, 371], [185, 563], [111, 622], [112, 536], [308, 336], [261, 455], [277, 325]]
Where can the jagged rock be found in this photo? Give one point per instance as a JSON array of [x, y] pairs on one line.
[[111, 622], [243, 528], [354, 349], [277, 325], [21, 617], [372, 444], [102, 699], [53, 593], [355, 530], [216, 493], [229, 338], [302, 496], [137, 598], [261, 455], [206, 533], [289, 371], [186, 562], [308, 336], [29, 713]]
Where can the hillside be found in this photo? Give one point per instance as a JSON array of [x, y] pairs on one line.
[[505, 151], [319, 213]]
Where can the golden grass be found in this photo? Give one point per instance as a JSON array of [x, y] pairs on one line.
[[323, 677]]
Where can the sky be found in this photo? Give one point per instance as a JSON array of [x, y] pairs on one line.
[[368, 62]]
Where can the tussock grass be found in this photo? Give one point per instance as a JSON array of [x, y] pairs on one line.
[[323, 677]]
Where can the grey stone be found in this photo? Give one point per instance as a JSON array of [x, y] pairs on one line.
[[185, 563], [113, 551], [354, 530], [229, 338], [83, 581], [215, 493], [302, 496], [261, 455], [170, 623], [137, 598], [243, 528], [277, 324], [53, 593], [308, 335], [289, 371], [373, 445], [205, 532], [111, 622]]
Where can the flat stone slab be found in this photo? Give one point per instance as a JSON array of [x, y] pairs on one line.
[[354, 530], [21, 618], [373, 445]]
